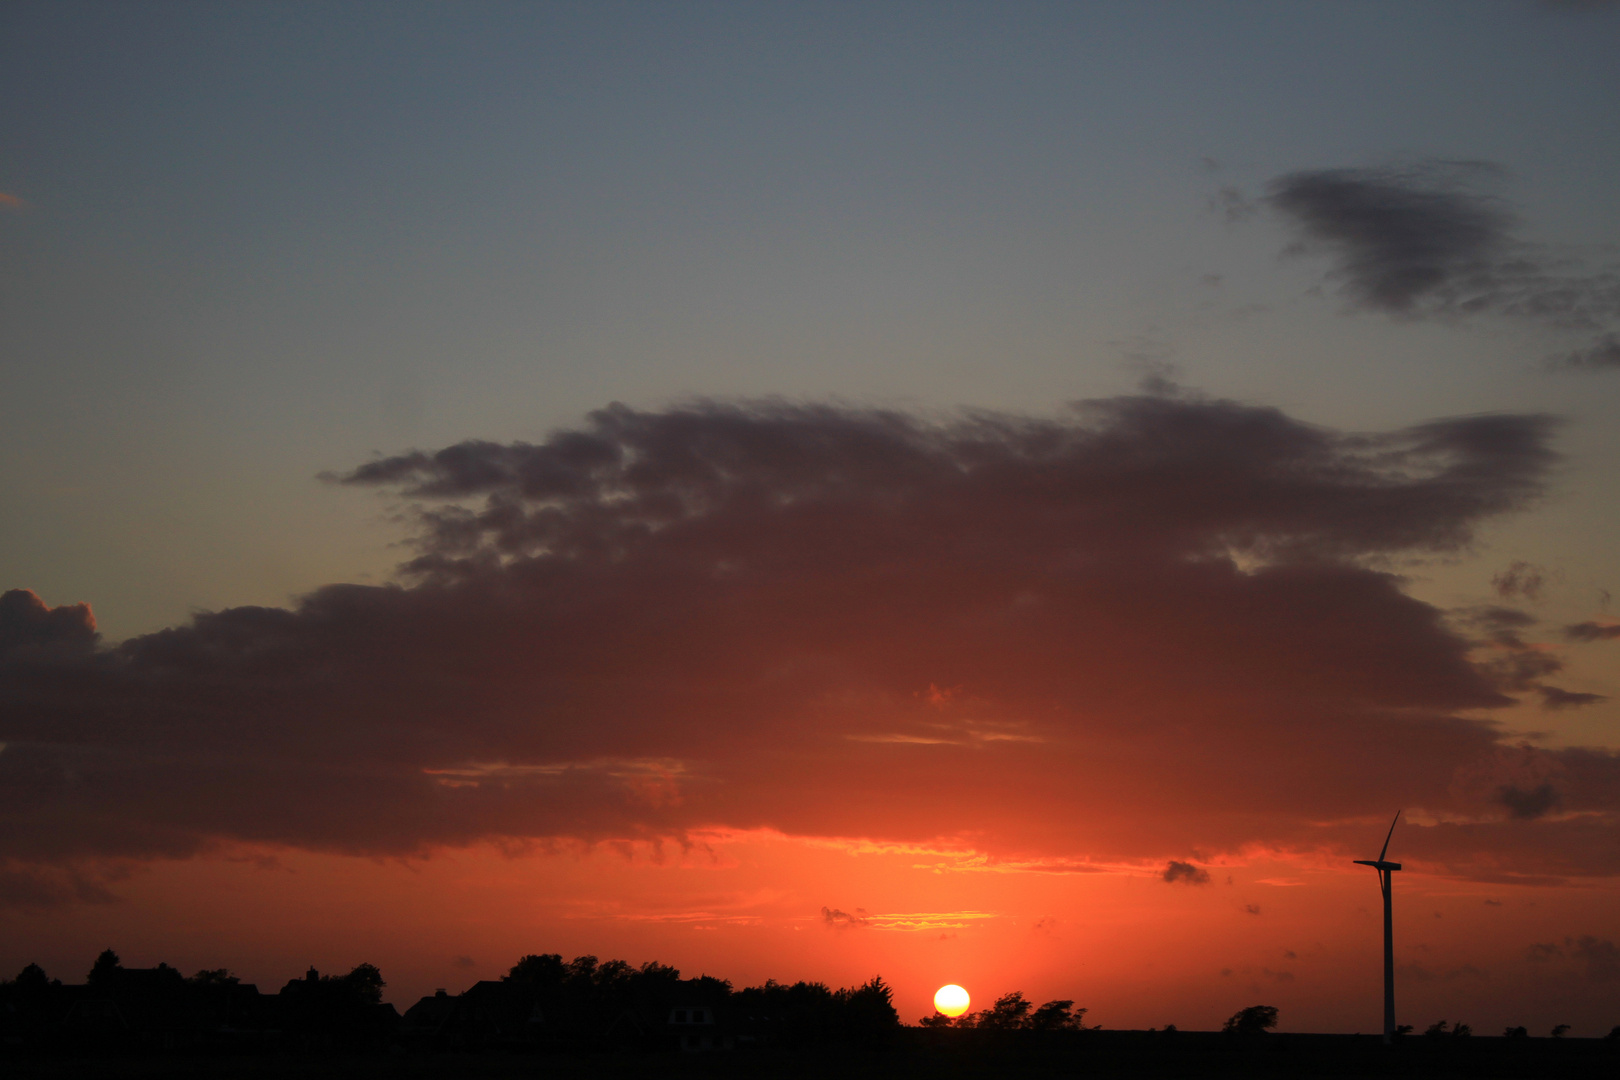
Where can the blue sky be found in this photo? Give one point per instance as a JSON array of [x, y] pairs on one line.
[[260, 241]]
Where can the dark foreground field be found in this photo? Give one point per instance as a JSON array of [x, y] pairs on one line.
[[928, 1055]]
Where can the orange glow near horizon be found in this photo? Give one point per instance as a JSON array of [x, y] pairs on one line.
[[951, 1000], [1135, 950]]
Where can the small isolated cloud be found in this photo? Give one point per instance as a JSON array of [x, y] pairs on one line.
[[1232, 205], [1554, 698], [11, 202], [843, 920], [1493, 903], [1252, 909], [1527, 805], [1520, 579], [1046, 925], [1600, 355], [1418, 973], [1424, 242], [1186, 873], [1290, 954], [1540, 952], [1601, 956], [464, 962], [1400, 237], [1592, 631]]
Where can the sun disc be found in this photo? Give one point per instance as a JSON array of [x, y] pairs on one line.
[[951, 1000]]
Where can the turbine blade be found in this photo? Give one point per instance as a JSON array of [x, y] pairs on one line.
[[1381, 854]]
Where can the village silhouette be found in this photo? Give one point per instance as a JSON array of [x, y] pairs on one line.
[[587, 1017]]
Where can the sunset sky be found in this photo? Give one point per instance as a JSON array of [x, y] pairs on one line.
[[1007, 494]]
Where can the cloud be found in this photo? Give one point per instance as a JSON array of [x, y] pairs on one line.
[[1592, 631], [1554, 698], [1423, 242], [27, 623], [1401, 236], [1600, 355], [1417, 973], [42, 888], [11, 202], [843, 920], [1528, 805], [1601, 955], [1232, 205], [1186, 873], [1520, 579], [1165, 622]]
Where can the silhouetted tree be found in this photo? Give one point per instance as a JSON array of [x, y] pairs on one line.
[[1013, 1012], [1560, 1031], [32, 980], [1435, 1030], [215, 977], [867, 1011], [539, 970], [1009, 1013], [1062, 1016], [1255, 1020], [365, 982], [1462, 1031], [1515, 1033], [104, 970], [1613, 1035]]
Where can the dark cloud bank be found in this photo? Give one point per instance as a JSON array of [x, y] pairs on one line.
[[1160, 624], [1424, 242]]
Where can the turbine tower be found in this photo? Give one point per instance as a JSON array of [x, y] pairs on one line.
[[1384, 870]]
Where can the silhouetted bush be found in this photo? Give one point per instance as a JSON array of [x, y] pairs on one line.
[[1255, 1020]]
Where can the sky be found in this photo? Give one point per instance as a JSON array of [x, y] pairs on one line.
[[1016, 495]]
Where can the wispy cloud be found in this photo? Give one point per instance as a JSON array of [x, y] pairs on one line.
[[1425, 241]]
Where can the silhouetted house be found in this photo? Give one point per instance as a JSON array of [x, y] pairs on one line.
[[627, 1030], [424, 1023], [93, 1023], [488, 1015], [700, 1027], [336, 1012]]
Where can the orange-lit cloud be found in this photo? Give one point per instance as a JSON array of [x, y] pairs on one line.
[[1155, 632], [11, 201]]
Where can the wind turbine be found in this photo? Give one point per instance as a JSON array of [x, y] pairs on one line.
[[1384, 870]]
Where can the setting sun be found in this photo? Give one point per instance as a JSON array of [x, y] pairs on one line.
[[951, 1000]]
